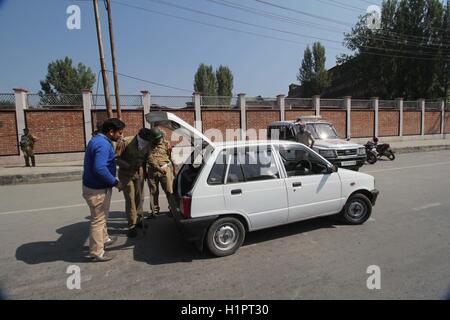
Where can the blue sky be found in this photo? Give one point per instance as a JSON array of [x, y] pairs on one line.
[[167, 50]]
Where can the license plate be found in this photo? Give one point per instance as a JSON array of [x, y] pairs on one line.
[[348, 163]]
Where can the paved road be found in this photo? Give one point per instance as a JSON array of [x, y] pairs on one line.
[[44, 229]]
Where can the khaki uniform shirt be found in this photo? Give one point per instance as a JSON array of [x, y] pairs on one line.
[[306, 138], [130, 159], [158, 157]]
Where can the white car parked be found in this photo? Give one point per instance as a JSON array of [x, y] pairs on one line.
[[227, 189]]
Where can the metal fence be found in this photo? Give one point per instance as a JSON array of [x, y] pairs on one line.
[[387, 104], [7, 101], [362, 104], [126, 101], [47, 101], [411, 105], [297, 103], [261, 102], [433, 105], [172, 102], [219, 102], [332, 103]]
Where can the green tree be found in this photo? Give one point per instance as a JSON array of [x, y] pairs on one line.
[[312, 74], [406, 55], [62, 77], [205, 81], [305, 73], [224, 78], [320, 79]]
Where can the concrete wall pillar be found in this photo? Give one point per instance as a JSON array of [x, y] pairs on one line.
[[400, 108], [422, 107], [242, 106], [348, 107], [375, 105], [87, 107], [442, 118], [198, 111], [316, 104], [281, 105], [146, 102], [20, 96]]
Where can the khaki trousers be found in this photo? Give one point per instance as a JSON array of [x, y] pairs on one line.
[[99, 202], [133, 191], [166, 181]]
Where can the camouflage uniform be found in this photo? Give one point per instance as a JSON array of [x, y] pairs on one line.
[[131, 162], [158, 160], [27, 146]]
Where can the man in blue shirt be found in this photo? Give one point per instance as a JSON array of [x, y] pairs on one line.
[[99, 177]]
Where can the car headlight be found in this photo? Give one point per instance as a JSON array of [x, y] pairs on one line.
[[361, 151], [327, 153]]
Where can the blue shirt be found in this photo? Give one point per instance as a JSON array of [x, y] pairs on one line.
[[99, 163]]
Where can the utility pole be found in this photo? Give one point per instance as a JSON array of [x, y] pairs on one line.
[[102, 61], [113, 56]]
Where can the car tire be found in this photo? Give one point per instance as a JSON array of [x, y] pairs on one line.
[[225, 236], [357, 209]]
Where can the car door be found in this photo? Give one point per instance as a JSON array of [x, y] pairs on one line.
[[313, 189], [254, 187]]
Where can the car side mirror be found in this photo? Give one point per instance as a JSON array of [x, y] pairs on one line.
[[332, 168]]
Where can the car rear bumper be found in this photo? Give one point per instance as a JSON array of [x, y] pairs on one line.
[[375, 193], [194, 229]]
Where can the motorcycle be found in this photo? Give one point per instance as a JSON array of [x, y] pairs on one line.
[[384, 149], [371, 152]]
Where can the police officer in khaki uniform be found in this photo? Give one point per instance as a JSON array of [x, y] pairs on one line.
[[132, 154], [160, 169], [303, 134], [27, 146]]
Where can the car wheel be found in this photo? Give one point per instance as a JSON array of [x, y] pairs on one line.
[[357, 209], [225, 236]]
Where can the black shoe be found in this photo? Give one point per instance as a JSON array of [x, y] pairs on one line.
[[132, 233], [139, 223], [111, 240]]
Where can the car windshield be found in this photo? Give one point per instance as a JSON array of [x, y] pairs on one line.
[[322, 131]]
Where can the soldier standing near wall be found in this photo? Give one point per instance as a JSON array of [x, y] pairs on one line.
[[27, 146], [160, 170], [132, 154]]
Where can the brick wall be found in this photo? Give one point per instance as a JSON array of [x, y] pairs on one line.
[[259, 120], [57, 131], [432, 122], [447, 122], [388, 123], [338, 118], [362, 123], [294, 114], [134, 120], [412, 122], [221, 120], [8, 134]]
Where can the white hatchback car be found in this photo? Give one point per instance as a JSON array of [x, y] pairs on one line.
[[224, 190]]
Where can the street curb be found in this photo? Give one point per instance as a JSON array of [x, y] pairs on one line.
[[40, 178], [422, 148], [77, 175]]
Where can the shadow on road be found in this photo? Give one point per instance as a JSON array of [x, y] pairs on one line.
[[69, 247], [160, 243]]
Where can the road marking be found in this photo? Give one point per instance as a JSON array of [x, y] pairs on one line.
[[371, 219], [428, 206], [54, 208], [411, 167]]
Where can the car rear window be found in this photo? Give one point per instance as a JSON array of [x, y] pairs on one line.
[[217, 174]]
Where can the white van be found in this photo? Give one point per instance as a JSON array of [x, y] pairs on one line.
[[224, 190]]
